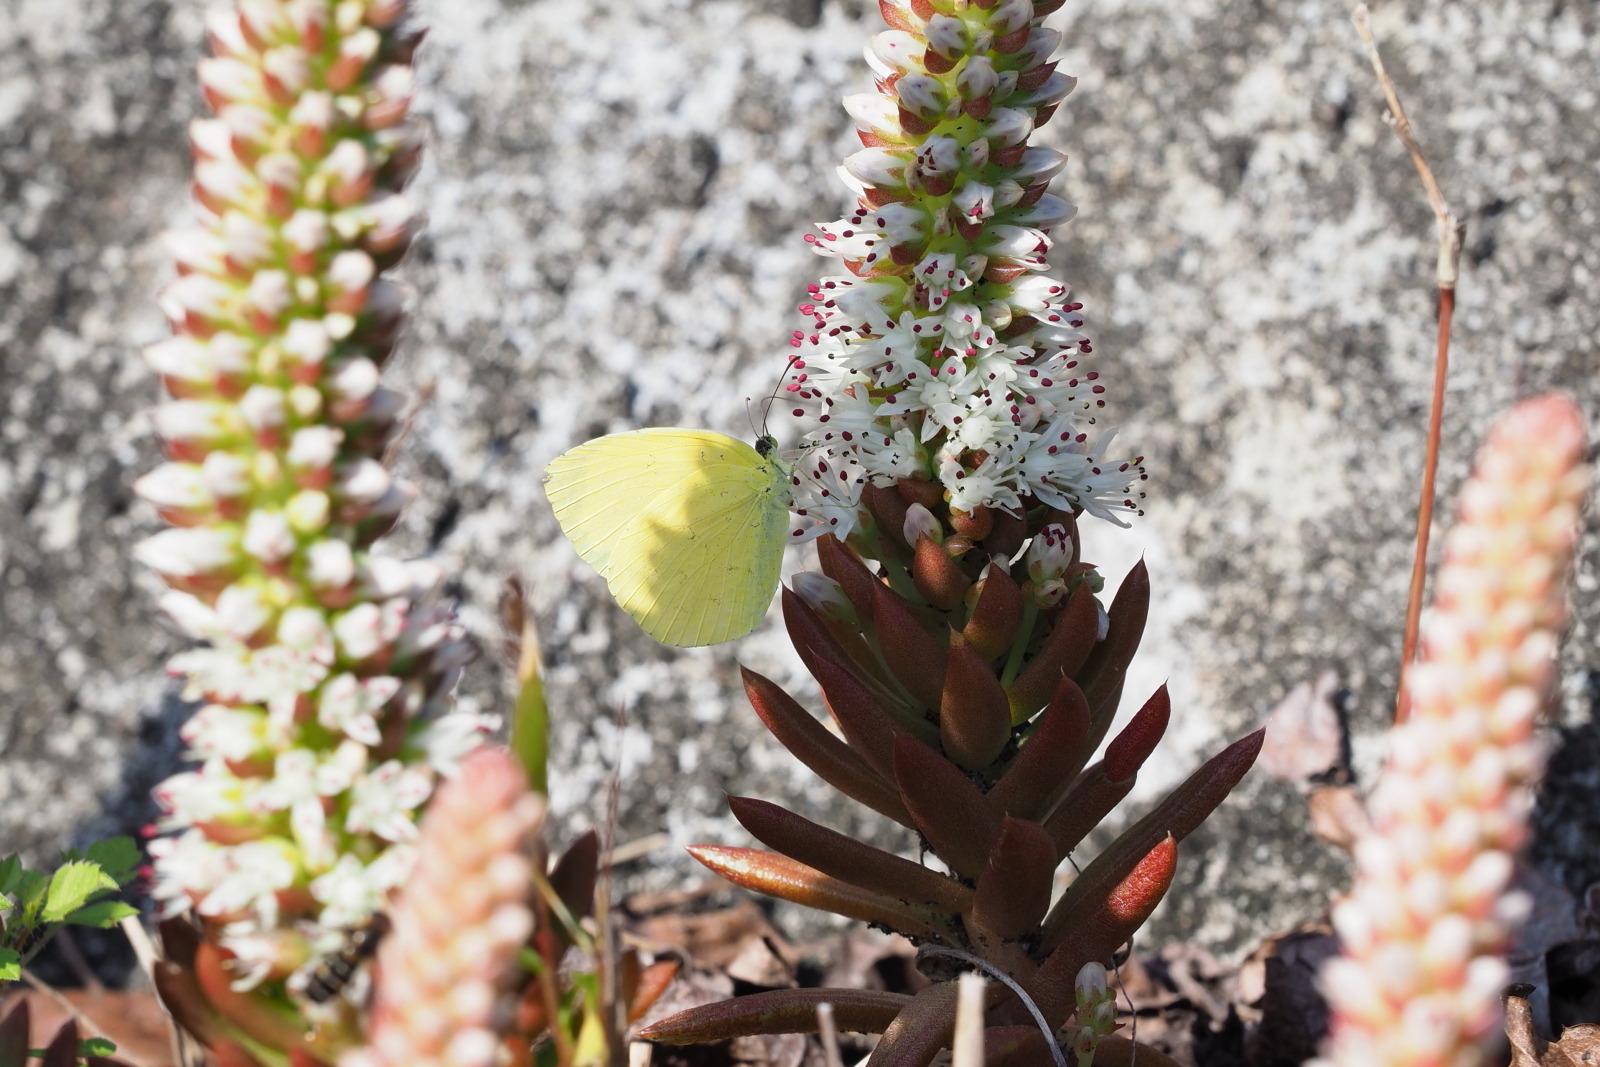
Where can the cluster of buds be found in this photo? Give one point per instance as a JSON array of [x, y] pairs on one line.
[[951, 354], [459, 923], [326, 674], [1431, 911]]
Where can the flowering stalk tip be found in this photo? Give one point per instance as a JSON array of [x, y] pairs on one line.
[[1432, 910]]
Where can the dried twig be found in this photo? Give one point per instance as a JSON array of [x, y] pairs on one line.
[[1452, 231]]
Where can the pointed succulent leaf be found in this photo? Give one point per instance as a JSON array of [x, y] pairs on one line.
[[1069, 644], [996, 615], [1102, 675], [1084, 806], [915, 657], [574, 875], [1101, 929], [974, 718], [1014, 889], [815, 745], [937, 576], [779, 876], [841, 564], [920, 1031], [815, 640], [14, 1035], [847, 859], [887, 505], [867, 726], [778, 1011], [1128, 751], [948, 808], [62, 1051], [1049, 759], [1185, 808]]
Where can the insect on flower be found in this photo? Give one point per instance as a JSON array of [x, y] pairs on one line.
[[333, 974]]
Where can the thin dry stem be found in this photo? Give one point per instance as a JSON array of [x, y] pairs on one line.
[[1452, 231], [967, 1048], [828, 1034]]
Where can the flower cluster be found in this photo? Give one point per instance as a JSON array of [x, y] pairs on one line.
[[1422, 930], [326, 673], [951, 354]]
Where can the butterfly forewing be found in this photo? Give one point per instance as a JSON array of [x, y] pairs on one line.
[[686, 526]]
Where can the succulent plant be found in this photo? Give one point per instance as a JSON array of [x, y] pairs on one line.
[[954, 629]]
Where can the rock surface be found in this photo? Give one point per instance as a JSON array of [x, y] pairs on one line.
[[618, 194]]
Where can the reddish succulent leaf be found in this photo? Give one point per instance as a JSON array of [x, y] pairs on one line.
[[62, 1051], [1120, 912], [814, 639], [845, 567], [937, 577], [1014, 1046], [914, 490], [779, 1011], [1185, 808], [887, 506], [14, 1036], [915, 657], [231, 1054], [779, 876], [948, 808], [1084, 806], [1014, 888], [1103, 673], [847, 859], [1049, 759], [974, 718], [866, 724], [1009, 530], [814, 745], [178, 990], [922, 1028], [652, 981], [1064, 651], [1128, 751], [574, 875], [997, 614], [273, 1025]]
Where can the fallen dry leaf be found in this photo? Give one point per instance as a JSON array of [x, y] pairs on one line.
[[1306, 736]]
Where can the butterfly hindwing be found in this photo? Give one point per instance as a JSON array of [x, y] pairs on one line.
[[686, 526]]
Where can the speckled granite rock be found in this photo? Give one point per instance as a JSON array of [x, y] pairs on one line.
[[617, 195]]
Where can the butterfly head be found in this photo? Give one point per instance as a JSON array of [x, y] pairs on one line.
[[766, 445]]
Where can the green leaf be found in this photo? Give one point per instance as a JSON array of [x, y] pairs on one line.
[[10, 965], [73, 886], [10, 869], [29, 894], [96, 1046], [102, 913], [118, 856]]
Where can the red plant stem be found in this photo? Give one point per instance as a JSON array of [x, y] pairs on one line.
[[1424, 509], [1419, 565]]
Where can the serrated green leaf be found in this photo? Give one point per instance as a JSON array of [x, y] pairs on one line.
[[118, 856], [101, 913], [10, 965], [96, 1046], [72, 887]]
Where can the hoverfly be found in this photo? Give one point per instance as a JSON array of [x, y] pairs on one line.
[[334, 973]]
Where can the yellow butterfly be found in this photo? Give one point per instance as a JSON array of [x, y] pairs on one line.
[[687, 527]]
